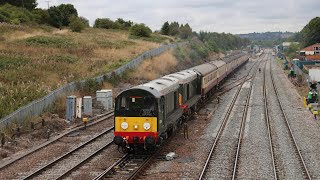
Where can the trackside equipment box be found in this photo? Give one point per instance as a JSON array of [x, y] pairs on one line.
[[105, 97], [87, 105], [71, 108]]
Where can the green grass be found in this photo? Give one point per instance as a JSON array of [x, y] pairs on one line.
[[154, 38], [116, 65], [116, 45], [12, 62], [64, 58], [35, 60], [53, 41]]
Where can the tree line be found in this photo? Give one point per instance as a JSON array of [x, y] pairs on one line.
[[16, 12], [66, 15], [221, 41], [310, 34], [176, 29]]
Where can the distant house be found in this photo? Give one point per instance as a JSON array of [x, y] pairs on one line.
[[285, 45], [311, 52], [313, 71]]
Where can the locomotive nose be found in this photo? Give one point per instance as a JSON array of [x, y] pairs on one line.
[[118, 140]]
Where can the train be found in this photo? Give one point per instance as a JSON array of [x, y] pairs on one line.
[[148, 114]]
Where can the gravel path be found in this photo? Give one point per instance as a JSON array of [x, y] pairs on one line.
[[255, 159], [30, 163], [304, 127]]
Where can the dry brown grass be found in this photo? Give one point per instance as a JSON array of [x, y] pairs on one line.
[[155, 67], [91, 53]]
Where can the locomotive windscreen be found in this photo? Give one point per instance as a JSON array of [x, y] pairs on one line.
[[136, 106]]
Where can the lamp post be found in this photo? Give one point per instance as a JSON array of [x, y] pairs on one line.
[[48, 2]]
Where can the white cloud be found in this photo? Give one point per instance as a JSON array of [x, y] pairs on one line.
[[210, 15]]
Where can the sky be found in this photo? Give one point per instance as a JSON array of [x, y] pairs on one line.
[[229, 16]]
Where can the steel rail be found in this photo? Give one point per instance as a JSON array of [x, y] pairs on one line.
[[267, 118], [224, 122], [69, 171], [45, 167], [289, 128], [242, 126], [8, 163], [111, 168]]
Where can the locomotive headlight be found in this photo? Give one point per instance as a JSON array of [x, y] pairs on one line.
[[146, 126], [124, 125]]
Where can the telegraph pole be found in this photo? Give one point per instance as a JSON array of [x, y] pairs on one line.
[[48, 2]]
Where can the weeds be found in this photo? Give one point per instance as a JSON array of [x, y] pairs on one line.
[[12, 62], [54, 41], [36, 60]]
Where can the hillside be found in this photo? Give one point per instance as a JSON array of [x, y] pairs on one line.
[[36, 60]]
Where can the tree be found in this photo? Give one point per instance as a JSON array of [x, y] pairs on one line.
[[76, 24], [310, 34], [124, 24], [185, 31], [84, 21], [106, 23], [140, 30], [41, 16], [28, 4], [67, 10], [55, 16], [165, 28], [174, 29]]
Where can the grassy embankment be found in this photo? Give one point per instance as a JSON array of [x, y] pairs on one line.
[[36, 60]]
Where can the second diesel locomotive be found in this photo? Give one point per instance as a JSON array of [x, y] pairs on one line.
[[147, 114]]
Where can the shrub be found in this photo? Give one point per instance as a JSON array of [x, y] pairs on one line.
[[65, 58], [10, 62], [76, 25], [140, 30], [106, 23], [54, 41]]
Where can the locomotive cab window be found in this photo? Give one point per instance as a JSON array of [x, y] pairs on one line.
[[136, 105]]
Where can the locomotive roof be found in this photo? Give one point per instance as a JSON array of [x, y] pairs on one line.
[[204, 69], [184, 76], [160, 87]]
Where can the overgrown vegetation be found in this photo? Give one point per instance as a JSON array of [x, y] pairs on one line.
[[216, 42], [50, 41], [56, 16], [34, 61], [140, 30], [174, 29]]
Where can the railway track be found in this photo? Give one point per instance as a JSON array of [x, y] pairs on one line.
[[278, 174], [224, 122], [267, 118], [64, 164], [128, 167], [46, 148]]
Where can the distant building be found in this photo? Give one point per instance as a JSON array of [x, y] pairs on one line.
[[313, 71], [285, 45], [311, 52]]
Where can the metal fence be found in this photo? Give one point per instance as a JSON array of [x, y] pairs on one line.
[[305, 77], [37, 107]]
